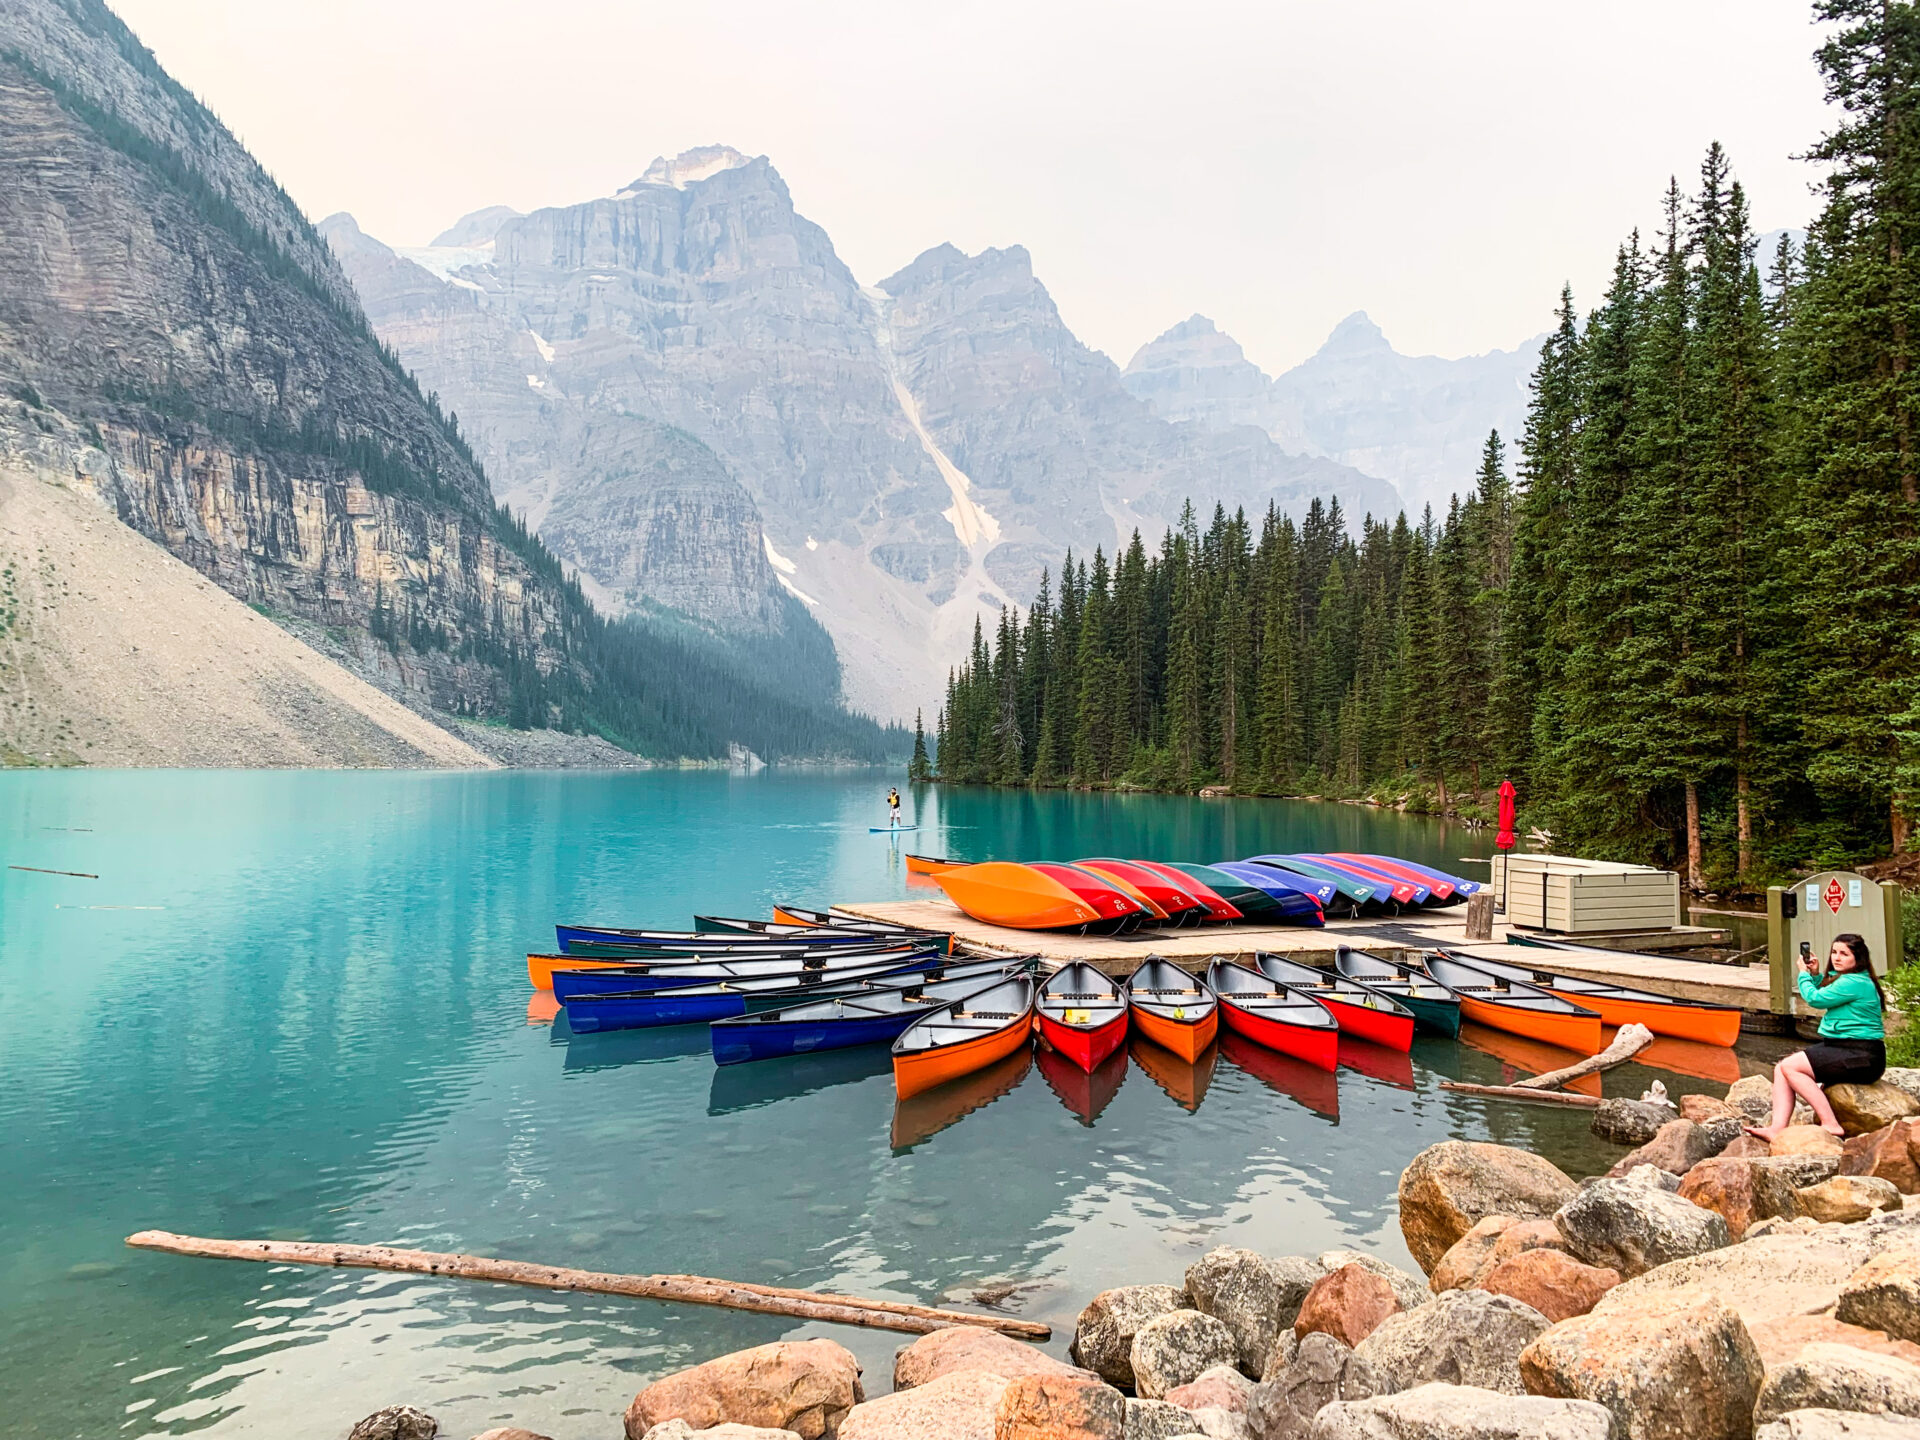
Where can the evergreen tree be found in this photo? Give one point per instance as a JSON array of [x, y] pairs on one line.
[[920, 767]]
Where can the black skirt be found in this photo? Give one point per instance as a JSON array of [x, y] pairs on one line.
[[1848, 1062]]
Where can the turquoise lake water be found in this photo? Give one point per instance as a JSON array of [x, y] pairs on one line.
[[295, 1005]]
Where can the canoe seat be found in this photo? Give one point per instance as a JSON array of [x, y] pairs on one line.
[[1081, 995], [986, 1014]]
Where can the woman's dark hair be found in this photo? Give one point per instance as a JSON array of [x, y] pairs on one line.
[[1862, 963]]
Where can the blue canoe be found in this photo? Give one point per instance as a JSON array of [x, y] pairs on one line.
[[1461, 886], [570, 985], [1422, 893], [1298, 902], [602, 939], [1355, 894], [877, 1015], [704, 1004]]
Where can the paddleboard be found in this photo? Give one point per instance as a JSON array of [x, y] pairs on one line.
[[890, 829]]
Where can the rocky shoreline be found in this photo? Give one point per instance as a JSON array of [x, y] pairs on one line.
[[1709, 1286]]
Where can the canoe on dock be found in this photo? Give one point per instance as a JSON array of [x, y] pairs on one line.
[[1407, 892], [1172, 1008], [931, 864], [1082, 1014], [1434, 1006], [1462, 886], [1297, 897], [1441, 889], [1217, 906], [1516, 1007], [968, 1035], [1351, 896], [1255, 903], [1039, 897], [1174, 897], [1620, 1004], [1275, 1014], [1156, 913], [872, 1014], [1362, 1011]]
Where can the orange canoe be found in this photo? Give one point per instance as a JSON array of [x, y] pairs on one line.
[[1621, 1004], [1520, 1057], [540, 968], [965, 1036], [1172, 1008], [1035, 897], [1517, 1008], [921, 1117], [931, 864]]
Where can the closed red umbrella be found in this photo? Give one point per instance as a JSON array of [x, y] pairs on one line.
[[1504, 840]]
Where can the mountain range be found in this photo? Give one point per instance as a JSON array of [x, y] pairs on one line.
[[692, 399], [181, 355]]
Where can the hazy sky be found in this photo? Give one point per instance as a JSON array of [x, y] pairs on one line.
[[1443, 166]]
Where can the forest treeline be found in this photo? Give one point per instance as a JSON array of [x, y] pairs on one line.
[[1684, 618]]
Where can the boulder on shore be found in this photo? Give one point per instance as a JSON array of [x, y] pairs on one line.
[[1884, 1294], [1103, 1335], [971, 1347], [1891, 1153], [1348, 1305], [1705, 1109], [1060, 1407], [1862, 1108], [1156, 1420], [1739, 1191], [1410, 1290], [1635, 1223], [672, 1430], [959, 1406], [1834, 1425], [1629, 1122], [1904, 1079], [1321, 1371], [1464, 1337], [1221, 1388], [1678, 1146], [396, 1422], [1782, 1340], [1177, 1348], [1254, 1297], [1798, 1139], [1839, 1377], [1847, 1198], [1552, 1282], [806, 1386], [1667, 1372], [1471, 1256], [1460, 1412], [1456, 1183], [1765, 1279]]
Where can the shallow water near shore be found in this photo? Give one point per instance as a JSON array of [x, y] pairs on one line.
[[295, 1005]]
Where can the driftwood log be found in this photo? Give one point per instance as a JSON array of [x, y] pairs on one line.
[[1631, 1040], [683, 1289]]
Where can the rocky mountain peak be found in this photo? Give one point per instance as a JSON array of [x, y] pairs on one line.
[[1194, 344], [1356, 335], [690, 167], [476, 228]]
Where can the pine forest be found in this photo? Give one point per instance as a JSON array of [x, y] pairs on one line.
[[1681, 612]]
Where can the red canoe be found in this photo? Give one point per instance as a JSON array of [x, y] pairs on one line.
[[1082, 1014], [1363, 1012], [1275, 1015], [1176, 898], [1218, 906]]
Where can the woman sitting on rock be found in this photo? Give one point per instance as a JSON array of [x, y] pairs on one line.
[[1852, 1048]]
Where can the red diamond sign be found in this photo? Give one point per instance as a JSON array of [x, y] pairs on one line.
[[1834, 896]]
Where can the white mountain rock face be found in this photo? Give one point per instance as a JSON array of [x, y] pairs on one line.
[[691, 398], [1419, 421]]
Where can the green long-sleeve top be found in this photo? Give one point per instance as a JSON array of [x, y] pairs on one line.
[[1851, 1003]]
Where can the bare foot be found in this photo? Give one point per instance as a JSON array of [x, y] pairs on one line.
[[1838, 1132], [1763, 1132]]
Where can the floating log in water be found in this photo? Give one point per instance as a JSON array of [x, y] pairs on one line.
[[686, 1289], [1631, 1040], [36, 870], [1515, 1092]]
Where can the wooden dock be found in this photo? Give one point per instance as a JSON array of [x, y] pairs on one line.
[[1745, 986]]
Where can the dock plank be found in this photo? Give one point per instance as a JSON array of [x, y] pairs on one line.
[[1117, 956]]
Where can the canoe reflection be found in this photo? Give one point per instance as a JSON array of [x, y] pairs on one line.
[[542, 1009], [1186, 1084], [609, 1049], [1086, 1095], [1377, 1062], [1317, 1089], [922, 1116], [1688, 1057], [742, 1087], [1520, 1057]]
